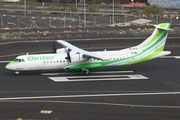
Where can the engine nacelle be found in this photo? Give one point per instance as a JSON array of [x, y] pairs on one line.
[[77, 57], [62, 50]]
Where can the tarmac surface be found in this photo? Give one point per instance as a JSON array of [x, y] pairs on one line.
[[150, 90]]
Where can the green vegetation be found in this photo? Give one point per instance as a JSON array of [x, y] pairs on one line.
[[53, 8], [32, 6], [31, 0], [73, 8], [1, 4], [64, 1], [93, 9], [16, 6], [134, 12], [153, 10]]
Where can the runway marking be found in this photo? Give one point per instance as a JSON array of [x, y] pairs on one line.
[[91, 72], [16, 54], [5, 61], [177, 57], [91, 95], [97, 78], [91, 103]]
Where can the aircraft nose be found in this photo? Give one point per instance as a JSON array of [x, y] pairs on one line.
[[9, 66]]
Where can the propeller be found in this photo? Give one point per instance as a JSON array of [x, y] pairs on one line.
[[68, 54], [54, 47]]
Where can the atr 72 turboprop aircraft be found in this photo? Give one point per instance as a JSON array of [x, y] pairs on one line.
[[73, 58]]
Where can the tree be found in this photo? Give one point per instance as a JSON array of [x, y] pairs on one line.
[[153, 10], [179, 12], [64, 1], [93, 9], [73, 8]]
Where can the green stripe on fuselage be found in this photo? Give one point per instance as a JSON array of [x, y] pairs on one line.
[[148, 57], [12, 63]]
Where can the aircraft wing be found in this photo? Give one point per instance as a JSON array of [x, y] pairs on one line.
[[76, 50]]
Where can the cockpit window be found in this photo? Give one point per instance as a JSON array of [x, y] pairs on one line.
[[15, 60], [18, 60]]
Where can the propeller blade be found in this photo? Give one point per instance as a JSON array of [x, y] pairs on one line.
[[53, 47], [68, 54]]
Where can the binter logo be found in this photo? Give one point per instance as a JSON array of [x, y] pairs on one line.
[[33, 58]]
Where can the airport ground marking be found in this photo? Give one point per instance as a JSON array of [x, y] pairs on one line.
[[91, 72], [91, 95], [5, 61], [98, 78], [176, 57], [91, 103]]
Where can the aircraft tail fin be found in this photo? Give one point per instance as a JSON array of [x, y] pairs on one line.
[[157, 40]]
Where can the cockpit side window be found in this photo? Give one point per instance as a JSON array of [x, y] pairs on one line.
[[18, 60]]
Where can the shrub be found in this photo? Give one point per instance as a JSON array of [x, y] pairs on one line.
[[153, 10], [93, 9]]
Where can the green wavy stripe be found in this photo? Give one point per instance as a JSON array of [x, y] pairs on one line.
[[155, 37], [148, 57]]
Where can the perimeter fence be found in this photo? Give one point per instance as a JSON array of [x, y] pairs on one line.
[[43, 19]]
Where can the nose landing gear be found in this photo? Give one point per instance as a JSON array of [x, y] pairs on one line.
[[17, 73]]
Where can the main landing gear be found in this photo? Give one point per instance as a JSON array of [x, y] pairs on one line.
[[85, 71]]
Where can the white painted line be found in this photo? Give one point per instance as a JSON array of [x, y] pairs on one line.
[[5, 61], [92, 95], [177, 57], [91, 72], [98, 78]]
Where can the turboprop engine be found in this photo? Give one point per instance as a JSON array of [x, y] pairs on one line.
[[62, 50], [77, 57]]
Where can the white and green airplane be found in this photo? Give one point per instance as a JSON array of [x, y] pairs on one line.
[[72, 58]]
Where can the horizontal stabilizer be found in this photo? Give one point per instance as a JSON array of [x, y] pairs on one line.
[[162, 27]]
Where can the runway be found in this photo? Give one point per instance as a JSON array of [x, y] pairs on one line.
[[150, 90]]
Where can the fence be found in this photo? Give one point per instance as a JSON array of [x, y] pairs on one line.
[[13, 19]]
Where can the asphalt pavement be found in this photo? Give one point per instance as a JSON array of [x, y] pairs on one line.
[[153, 95]]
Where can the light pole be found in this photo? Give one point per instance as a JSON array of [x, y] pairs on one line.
[[2, 21], [84, 13], [24, 8], [113, 14], [156, 19]]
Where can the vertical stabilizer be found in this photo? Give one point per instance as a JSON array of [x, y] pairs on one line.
[[157, 40]]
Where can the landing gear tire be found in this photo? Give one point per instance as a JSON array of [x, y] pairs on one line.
[[86, 72]]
